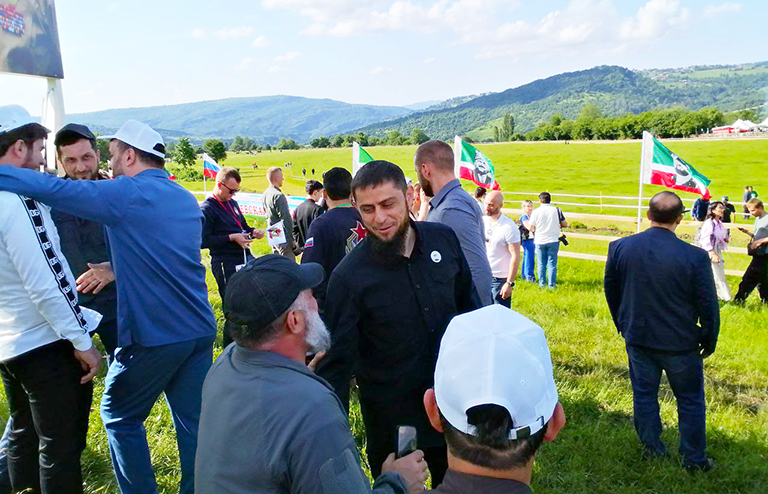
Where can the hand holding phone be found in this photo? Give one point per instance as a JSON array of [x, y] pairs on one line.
[[406, 440]]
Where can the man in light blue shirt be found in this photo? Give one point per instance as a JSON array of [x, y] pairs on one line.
[[453, 206], [166, 326]]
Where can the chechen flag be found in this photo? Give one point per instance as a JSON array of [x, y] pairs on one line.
[[660, 166], [210, 167], [359, 157], [472, 165]]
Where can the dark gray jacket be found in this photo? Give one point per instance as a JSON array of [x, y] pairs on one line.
[[269, 425], [276, 207]]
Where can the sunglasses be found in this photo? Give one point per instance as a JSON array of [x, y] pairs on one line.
[[231, 191]]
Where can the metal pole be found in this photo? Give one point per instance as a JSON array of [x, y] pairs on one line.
[[640, 192], [53, 118]]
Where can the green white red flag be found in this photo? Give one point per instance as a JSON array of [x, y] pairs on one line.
[[359, 157], [660, 166], [470, 164]]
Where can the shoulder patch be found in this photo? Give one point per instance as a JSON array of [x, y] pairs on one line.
[[309, 242]]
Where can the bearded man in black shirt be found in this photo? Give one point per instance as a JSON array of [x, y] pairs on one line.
[[388, 304]]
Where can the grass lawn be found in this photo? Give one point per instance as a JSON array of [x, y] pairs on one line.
[[598, 451]]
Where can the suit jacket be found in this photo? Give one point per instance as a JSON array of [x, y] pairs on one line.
[[661, 292]]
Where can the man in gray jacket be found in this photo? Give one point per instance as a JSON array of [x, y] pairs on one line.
[[276, 207], [268, 423]]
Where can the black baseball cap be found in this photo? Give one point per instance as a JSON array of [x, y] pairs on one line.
[[74, 129], [266, 287]]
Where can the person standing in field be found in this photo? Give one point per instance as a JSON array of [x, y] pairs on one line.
[[453, 206], [730, 211], [714, 238], [526, 237], [166, 327], [307, 212], [546, 223], [276, 207], [756, 274], [745, 199], [661, 294], [503, 247]]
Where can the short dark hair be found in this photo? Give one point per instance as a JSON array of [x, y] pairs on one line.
[[69, 138], [312, 186], [480, 192], [145, 157], [436, 152], [28, 133], [491, 447], [665, 207], [228, 172], [377, 172], [712, 207], [338, 183], [545, 197]]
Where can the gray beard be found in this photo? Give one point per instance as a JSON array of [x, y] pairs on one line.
[[317, 337]]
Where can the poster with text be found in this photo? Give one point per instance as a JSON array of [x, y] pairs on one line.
[[29, 38]]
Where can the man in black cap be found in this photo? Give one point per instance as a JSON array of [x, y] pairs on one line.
[[268, 423], [82, 241]]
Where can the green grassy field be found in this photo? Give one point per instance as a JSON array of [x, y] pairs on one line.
[[598, 451]]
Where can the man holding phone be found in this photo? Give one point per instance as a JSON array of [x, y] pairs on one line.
[[226, 233]]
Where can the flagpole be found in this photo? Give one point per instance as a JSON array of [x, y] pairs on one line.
[[640, 191]]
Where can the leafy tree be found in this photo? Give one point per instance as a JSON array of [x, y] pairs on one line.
[[237, 144], [184, 153], [418, 136], [496, 134], [286, 143], [507, 127], [215, 149], [361, 138], [338, 141], [320, 142], [395, 138]]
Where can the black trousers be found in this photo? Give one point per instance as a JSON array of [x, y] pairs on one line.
[[49, 408], [222, 272], [756, 275]]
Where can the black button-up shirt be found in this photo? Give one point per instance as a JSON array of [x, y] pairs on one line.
[[461, 483], [391, 317]]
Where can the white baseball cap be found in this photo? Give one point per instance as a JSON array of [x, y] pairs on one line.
[[13, 117], [495, 356], [141, 136]]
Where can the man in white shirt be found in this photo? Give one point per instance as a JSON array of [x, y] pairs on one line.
[[502, 244], [546, 222], [47, 359]]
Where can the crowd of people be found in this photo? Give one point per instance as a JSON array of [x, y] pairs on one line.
[[403, 289]]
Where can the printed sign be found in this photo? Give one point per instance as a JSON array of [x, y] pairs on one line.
[[276, 234], [29, 38]]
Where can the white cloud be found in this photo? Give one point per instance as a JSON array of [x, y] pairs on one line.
[[429, 60], [285, 57], [260, 42], [275, 69], [380, 70], [725, 8], [113, 6], [226, 33], [245, 63], [654, 20]]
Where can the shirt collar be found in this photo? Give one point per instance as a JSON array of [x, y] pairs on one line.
[[272, 359], [153, 172], [435, 202], [461, 482]]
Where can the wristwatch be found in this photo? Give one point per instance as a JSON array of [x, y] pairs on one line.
[[510, 283]]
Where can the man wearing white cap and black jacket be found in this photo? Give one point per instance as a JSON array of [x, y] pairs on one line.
[[166, 326], [47, 359], [494, 411]]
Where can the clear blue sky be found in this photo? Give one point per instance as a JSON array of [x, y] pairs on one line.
[[140, 53]]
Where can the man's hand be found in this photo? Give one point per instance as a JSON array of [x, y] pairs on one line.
[[705, 350], [744, 230], [413, 469], [90, 360], [257, 234], [240, 239], [506, 291], [96, 278], [714, 257], [312, 365]]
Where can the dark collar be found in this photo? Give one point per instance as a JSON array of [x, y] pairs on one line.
[[453, 184], [261, 358], [457, 482]]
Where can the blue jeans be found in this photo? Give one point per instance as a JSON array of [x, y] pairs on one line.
[[134, 381], [546, 263], [496, 284], [5, 476], [529, 255], [686, 378]]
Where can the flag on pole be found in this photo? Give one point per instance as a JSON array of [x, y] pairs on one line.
[[660, 166], [473, 166], [171, 176], [210, 167], [359, 157]]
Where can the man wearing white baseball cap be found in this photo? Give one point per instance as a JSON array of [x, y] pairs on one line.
[[494, 411], [166, 326]]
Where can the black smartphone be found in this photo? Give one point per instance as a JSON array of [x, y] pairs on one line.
[[405, 439]]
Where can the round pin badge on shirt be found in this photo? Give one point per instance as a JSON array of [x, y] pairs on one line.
[[435, 256]]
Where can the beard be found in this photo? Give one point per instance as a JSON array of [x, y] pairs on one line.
[[426, 186], [390, 250], [317, 338]]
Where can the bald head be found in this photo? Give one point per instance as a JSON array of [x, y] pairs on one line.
[[494, 201], [666, 208]]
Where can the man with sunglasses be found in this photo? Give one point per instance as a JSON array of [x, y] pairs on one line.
[[226, 233]]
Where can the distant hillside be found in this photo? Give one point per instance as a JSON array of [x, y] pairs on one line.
[[615, 90], [264, 119]]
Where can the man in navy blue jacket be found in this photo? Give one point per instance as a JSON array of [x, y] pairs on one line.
[[662, 297]]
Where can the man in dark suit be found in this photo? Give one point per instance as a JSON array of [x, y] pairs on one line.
[[662, 297]]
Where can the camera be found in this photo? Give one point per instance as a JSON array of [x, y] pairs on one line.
[[563, 239]]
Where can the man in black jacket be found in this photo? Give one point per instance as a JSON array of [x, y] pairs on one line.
[[306, 212], [661, 293], [226, 233], [388, 304]]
